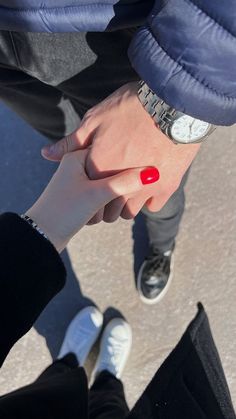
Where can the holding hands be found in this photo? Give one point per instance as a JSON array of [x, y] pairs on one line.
[[120, 134], [71, 199]]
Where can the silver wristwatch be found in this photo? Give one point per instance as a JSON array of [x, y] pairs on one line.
[[179, 127]]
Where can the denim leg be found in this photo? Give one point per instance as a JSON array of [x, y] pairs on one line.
[[163, 226], [77, 71]]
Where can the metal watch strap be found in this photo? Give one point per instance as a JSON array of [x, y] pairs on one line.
[[165, 116], [156, 107]]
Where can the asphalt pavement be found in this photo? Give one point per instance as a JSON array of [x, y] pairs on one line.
[[102, 261]]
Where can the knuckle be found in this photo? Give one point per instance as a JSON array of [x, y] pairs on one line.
[[87, 119], [124, 185], [66, 144], [88, 114]]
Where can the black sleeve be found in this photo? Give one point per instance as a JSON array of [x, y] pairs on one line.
[[32, 273], [191, 382]]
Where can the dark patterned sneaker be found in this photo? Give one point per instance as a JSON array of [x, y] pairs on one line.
[[155, 276]]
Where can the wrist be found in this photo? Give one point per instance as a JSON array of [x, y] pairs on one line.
[[47, 226], [180, 128]]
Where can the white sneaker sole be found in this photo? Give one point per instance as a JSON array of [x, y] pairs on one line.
[[162, 293]]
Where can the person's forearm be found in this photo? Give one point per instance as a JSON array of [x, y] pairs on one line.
[[32, 271], [31, 275], [191, 68]]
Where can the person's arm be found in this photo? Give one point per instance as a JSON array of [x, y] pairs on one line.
[[122, 134], [31, 275], [31, 269], [186, 54]]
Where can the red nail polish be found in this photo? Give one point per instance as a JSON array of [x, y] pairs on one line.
[[149, 175]]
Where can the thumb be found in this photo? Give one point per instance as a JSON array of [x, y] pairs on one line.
[[127, 182], [75, 141]]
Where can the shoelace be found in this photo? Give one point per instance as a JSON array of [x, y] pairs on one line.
[[114, 353], [160, 263]]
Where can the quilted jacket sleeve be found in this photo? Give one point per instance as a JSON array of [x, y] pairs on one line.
[[186, 53]]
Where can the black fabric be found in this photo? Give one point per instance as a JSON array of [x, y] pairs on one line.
[[51, 80], [60, 392], [31, 274], [163, 226], [107, 398], [191, 383]]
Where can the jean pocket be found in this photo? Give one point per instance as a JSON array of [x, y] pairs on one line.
[[50, 58], [8, 53]]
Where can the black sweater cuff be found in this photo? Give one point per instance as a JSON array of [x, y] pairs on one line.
[[32, 273]]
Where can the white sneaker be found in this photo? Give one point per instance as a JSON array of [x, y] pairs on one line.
[[115, 348], [82, 333]]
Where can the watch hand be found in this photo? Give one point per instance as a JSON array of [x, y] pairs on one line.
[[190, 131], [191, 126]]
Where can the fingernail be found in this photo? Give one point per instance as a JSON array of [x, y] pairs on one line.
[[149, 175], [48, 150]]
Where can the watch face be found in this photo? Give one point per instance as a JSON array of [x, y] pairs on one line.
[[189, 130]]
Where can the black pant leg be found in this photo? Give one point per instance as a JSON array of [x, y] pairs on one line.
[[51, 80], [58, 367], [41, 106], [163, 226], [107, 398], [60, 392]]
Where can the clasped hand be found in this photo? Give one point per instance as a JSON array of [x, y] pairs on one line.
[[119, 134], [71, 199]]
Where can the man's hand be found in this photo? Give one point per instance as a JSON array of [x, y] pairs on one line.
[[121, 135]]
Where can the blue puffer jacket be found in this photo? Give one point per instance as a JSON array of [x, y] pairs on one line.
[[185, 49]]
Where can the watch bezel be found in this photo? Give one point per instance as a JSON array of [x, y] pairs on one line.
[[170, 121]]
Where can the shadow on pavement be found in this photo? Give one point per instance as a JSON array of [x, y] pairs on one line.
[[56, 317], [24, 174]]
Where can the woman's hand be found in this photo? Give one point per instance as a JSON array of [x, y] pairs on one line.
[[70, 200]]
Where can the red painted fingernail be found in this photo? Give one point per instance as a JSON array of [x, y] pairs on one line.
[[149, 175]]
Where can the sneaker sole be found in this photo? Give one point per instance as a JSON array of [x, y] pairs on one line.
[[162, 293]]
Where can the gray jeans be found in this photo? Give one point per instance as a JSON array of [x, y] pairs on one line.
[[51, 80]]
